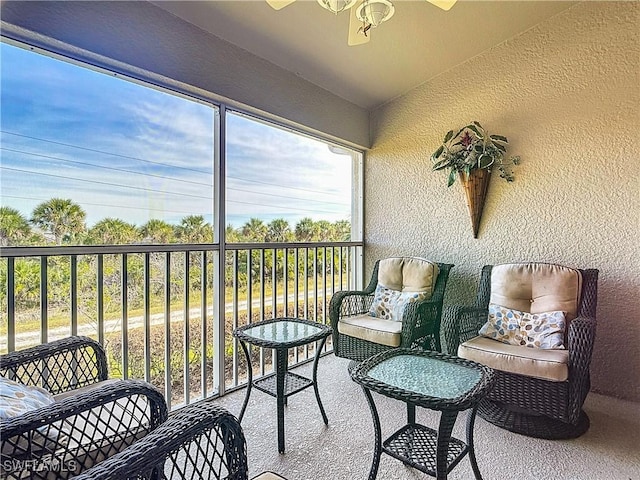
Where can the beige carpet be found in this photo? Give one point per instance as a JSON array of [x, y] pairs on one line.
[[610, 450]]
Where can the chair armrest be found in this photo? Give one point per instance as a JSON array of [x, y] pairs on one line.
[[419, 319], [580, 340], [57, 366], [81, 428], [461, 323], [348, 302], [202, 427]]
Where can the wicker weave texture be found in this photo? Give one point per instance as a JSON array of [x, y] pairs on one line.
[[528, 405], [73, 434], [200, 441], [420, 324], [282, 383], [57, 366], [431, 451], [463, 402]]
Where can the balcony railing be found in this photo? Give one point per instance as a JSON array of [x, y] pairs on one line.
[[165, 313]]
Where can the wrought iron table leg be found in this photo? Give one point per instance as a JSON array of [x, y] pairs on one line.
[[281, 371], [377, 450], [411, 413], [471, 420], [447, 420], [249, 380], [315, 379]]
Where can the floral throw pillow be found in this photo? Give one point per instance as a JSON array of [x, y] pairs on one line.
[[17, 399], [389, 304], [535, 330]]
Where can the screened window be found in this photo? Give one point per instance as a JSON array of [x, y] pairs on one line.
[[283, 186], [91, 158]]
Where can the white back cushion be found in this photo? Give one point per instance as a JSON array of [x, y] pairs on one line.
[[408, 274], [536, 288]]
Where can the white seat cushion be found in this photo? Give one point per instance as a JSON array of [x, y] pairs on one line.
[[549, 365], [376, 330]]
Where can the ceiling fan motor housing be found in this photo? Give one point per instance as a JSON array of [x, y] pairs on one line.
[[374, 12], [337, 6]]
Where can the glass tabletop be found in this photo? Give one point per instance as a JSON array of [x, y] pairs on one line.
[[426, 376], [283, 331]]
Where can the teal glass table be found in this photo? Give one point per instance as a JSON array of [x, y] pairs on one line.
[[430, 380], [282, 334]]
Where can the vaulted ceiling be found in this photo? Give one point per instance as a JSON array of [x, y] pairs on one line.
[[419, 42]]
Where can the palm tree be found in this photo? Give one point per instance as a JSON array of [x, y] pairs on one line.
[[342, 230], [305, 230], [113, 231], [14, 227], [255, 230], [157, 231], [61, 218], [279, 231], [324, 231], [193, 229], [232, 235]]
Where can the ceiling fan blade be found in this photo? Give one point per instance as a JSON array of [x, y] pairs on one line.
[[279, 4], [443, 4], [356, 37]]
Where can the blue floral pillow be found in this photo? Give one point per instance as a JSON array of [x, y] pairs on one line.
[[389, 304], [17, 399], [534, 330]]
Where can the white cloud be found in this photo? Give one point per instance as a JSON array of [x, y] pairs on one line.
[[118, 149]]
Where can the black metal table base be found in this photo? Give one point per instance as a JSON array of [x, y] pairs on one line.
[[432, 452], [283, 384]]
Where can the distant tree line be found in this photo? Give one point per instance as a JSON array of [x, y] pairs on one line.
[[63, 222]]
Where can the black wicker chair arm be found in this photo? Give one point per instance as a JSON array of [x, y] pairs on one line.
[[580, 340], [58, 366], [470, 319], [75, 405], [417, 313], [349, 302], [201, 440]]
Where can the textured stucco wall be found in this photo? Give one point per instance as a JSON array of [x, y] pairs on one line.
[[144, 36], [567, 95]]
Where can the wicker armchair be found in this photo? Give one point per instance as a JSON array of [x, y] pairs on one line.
[[91, 419], [420, 323], [544, 399], [201, 440]]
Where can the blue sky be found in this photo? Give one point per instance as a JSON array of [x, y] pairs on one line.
[[135, 153]]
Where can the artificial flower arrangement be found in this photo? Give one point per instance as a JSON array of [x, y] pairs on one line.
[[472, 148]]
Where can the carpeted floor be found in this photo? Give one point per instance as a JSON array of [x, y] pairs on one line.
[[610, 450]]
